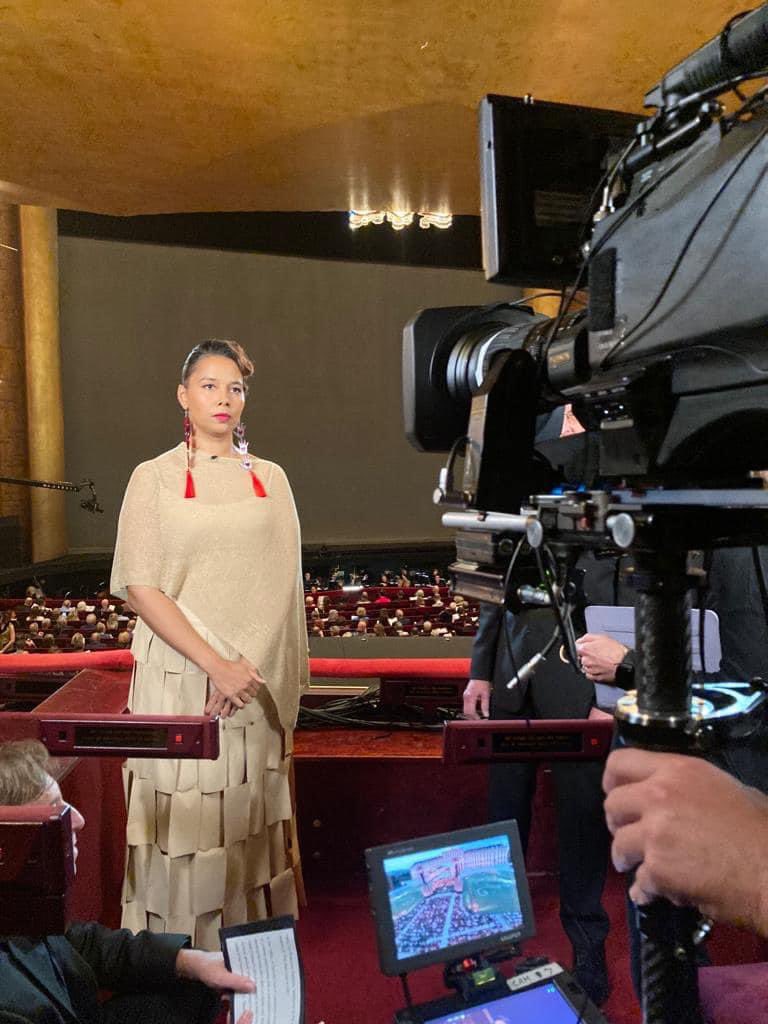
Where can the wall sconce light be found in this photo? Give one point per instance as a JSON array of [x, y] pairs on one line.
[[399, 219]]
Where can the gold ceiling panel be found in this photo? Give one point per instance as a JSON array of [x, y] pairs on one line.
[[150, 106]]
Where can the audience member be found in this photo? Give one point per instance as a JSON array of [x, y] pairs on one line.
[[7, 634], [362, 627], [56, 978], [77, 642], [124, 639]]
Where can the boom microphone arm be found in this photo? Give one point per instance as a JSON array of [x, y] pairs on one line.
[[88, 504], [740, 49]]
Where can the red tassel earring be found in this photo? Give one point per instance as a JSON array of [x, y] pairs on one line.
[[245, 460], [190, 488]]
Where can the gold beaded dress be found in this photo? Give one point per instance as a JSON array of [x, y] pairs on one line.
[[213, 843]]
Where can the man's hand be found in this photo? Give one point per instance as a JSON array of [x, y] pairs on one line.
[[477, 695], [698, 836], [600, 656], [208, 968]]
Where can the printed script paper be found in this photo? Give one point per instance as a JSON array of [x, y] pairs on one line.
[[270, 959]]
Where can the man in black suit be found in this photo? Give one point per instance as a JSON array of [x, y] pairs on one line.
[[503, 644], [55, 979]]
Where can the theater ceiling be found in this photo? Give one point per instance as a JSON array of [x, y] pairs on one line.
[[156, 106]]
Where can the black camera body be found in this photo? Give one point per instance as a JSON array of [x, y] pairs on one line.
[[676, 375], [668, 370]]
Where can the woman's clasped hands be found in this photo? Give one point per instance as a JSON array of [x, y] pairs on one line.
[[233, 684]]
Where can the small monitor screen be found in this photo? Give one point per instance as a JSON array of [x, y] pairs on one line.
[[545, 1004], [542, 165], [441, 897]]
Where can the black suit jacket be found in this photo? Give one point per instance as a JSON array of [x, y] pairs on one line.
[[505, 642], [56, 980]]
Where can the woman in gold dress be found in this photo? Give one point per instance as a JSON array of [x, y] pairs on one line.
[[208, 554]]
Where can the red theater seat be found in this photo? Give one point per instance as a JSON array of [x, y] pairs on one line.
[[734, 995]]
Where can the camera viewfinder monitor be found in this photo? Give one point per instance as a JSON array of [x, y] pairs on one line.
[[541, 168], [444, 897]]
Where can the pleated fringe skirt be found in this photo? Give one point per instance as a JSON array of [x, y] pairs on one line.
[[209, 843]]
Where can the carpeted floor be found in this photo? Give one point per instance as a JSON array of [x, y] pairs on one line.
[[343, 981]]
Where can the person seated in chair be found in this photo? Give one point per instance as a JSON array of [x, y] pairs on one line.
[[77, 642], [399, 621], [334, 619], [96, 642], [55, 979]]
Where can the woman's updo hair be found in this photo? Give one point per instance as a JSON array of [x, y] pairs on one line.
[[218, 347]]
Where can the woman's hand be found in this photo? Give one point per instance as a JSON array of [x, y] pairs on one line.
[[235, 684]]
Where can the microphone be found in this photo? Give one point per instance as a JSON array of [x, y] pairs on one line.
[[526, 671]]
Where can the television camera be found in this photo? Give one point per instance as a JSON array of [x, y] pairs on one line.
[[665, 367]]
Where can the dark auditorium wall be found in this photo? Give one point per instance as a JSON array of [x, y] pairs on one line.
[[325, 401]]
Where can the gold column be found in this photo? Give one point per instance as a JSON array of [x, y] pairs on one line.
[[45, 430], [548, 306], [14, 500]]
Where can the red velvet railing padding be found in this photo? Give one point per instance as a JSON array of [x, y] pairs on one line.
[[341, 668]]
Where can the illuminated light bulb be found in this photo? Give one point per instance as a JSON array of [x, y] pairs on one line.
[[435, 220], [362, 218], [441, 220], [400, 219]]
